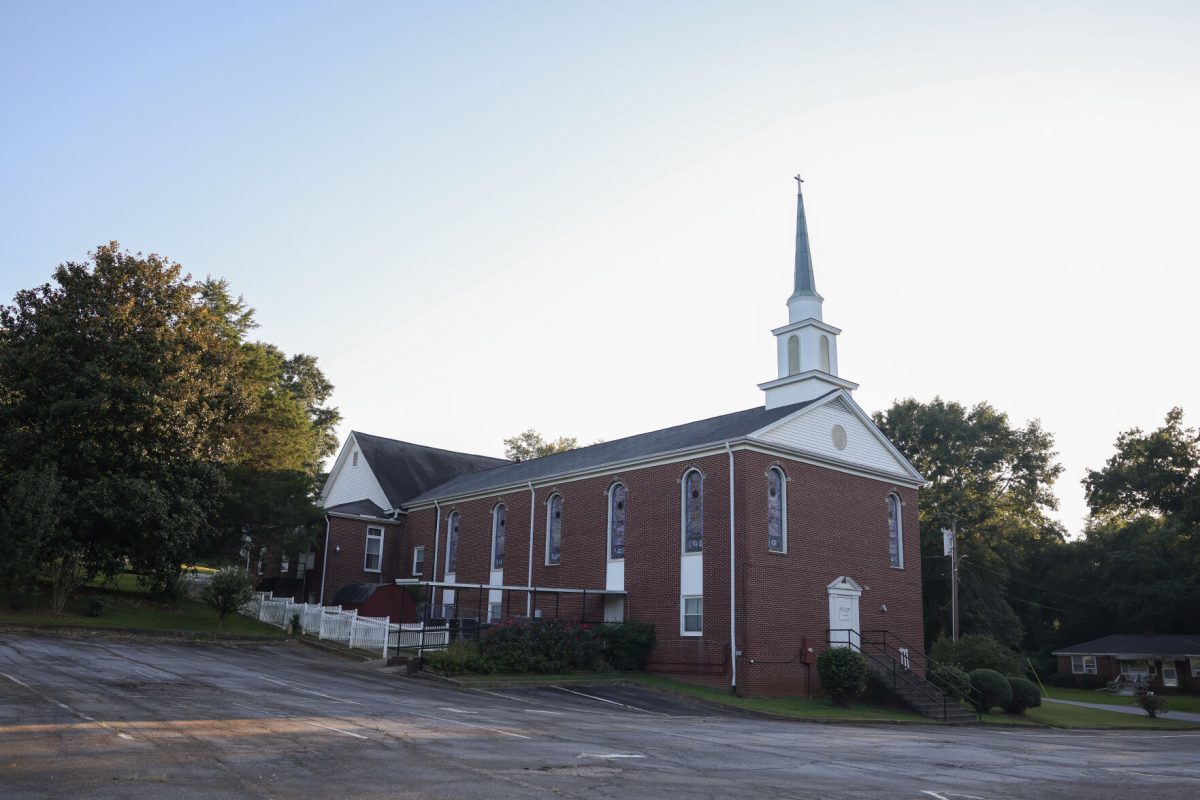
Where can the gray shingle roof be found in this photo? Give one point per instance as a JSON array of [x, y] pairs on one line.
[[405, 470], [667, 440], [1182, 644], [359, 508]]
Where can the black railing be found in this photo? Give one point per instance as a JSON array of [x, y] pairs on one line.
[[896, 660]]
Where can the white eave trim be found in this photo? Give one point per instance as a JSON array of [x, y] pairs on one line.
[[366, 517], [811, 322], [810, 374]]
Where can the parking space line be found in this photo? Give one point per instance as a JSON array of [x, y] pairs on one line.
[[309, 691], [605, 700], [1160, 776], [67, 708]]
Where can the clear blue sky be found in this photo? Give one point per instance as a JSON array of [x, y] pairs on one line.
[[483, 217]]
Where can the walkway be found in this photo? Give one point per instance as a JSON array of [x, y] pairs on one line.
[[1182, 716]]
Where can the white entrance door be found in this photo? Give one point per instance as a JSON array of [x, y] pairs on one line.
[[1170, 678], [843, 613]]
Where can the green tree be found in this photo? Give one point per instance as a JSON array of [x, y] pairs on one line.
[[530, 444], [995, 478], [164, 429], [30, 528]]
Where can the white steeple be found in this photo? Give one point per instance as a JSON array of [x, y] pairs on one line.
[[807, 347]]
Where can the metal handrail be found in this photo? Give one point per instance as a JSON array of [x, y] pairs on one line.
[[878, 650], [931, 666]]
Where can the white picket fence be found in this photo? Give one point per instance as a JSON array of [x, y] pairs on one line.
[[377, 634]]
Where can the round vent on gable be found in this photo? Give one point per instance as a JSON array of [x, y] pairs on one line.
[[839, 437]]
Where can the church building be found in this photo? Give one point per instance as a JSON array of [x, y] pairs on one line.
[[751, 541]]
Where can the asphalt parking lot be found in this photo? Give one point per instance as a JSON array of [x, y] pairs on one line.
[[102, 717]]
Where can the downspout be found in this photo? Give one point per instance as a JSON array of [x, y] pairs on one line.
[[324, 561], [532, 517], [437, 536], [733, 651]]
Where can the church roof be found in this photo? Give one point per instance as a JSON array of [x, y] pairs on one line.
[[668, 440], [405, 470]]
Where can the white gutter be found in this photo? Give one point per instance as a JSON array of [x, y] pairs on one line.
[[437, 535], [324, 562], [532, 517], [733, 651]]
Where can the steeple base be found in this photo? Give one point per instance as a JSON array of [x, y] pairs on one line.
[[803, 387]]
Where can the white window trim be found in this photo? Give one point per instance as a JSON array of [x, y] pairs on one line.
[[783, 515], [284, 563], [894, 500], [683, 500], [367, 548], [495, 527], [1194, 667], [549, 506], [683, 615], [1083, 665], [418, 549], [608, 538]]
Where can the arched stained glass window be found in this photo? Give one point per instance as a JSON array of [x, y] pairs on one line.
[[451, 542], [616, 521], [895, 532], [554, 529], [776, 510], [499, 519], [693, 512], [793, 355]]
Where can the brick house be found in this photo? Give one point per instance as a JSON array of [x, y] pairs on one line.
[[1168, 662], [750, 540]]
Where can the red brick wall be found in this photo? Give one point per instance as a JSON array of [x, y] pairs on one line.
[[347, 552], [837, 525]]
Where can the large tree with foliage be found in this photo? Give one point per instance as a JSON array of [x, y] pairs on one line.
[[132, 385], [994, 479], [531, 444]]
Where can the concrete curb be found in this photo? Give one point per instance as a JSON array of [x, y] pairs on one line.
[[80, 631], [337, 649]]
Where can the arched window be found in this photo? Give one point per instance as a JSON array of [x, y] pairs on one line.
[[895, 531], [499, 518], [554, 529], [776, 511], [825, 354], [451, 542], [693, 512], [793, 355], [616, 522]]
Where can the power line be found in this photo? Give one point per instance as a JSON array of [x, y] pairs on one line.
[[1034, 585]]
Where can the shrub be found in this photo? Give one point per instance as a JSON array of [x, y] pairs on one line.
[[540, 646], [229, 590], [951, 680], [97, 605], [843, 674], [1024, 695], [991, 689], [975, 651], [626, 646], [457, 658], [1152, 704]]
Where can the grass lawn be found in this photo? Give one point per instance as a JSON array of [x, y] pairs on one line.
[[1175, 702], [1061, 716], [813, 708], [136, 610]]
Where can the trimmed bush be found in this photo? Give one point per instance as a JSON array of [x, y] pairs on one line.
[[626, 646], [1152, 704], [98, 605], [456, 659], [843, 674], [229, 590], [991, 688], [547, 646], [951, 680], [975, 651], [1024, 695]]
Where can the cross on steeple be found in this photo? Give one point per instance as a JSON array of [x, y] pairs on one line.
[[799, 181]]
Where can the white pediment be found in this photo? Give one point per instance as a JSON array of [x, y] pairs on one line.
[[351, 479], [836, 430]]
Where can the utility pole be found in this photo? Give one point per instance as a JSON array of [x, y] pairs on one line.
[[950, 548]]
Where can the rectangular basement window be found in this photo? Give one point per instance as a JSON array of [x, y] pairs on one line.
[[693, 616]]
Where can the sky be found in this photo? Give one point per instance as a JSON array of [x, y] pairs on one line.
[[579, 217]]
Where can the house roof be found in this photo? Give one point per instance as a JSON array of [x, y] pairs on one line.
[[359, 508], [667, 440], [405, 470], [1179, 645]]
